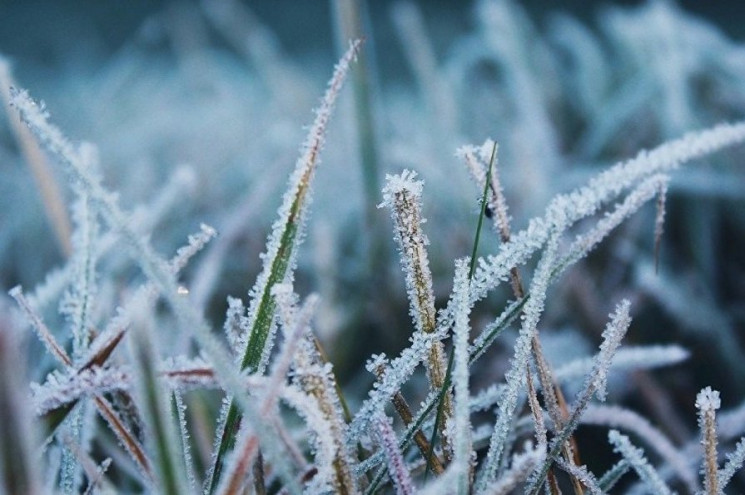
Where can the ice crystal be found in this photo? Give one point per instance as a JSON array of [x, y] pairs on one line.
[[708, 400], [62, 388]]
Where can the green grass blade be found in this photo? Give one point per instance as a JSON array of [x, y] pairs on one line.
[[482, 213], [280, 255], [154, 407]]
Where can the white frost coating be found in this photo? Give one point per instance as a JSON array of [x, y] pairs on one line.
[[473, 158], [324, 447], [733, 465], [41, 329], [396, 464], [462, 425], [197, 242], [185, 443], [617, 417], [595, 382], [153, 402], [480, 344], [236, 325], [70, 471], [179, 374], [403, 195], [77, 302], [585, 242], [219, 430], [62, 388], [708, 400], [609, 479], [48, 291], [707, 403], [588, 199], [444, 483], [246, 448], [582, 474], [394, 376], [155, 268], [659, 220], [612, 336], [121, 322], [298, 195], [522, 466], [143, 218], [477, 160], [318, 381], [627, 359], [376, 362], [296, 325], [315, 377], [400, 183], [515, 377], [635, 456]]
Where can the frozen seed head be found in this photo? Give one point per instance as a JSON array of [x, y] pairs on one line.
[[708, 400]]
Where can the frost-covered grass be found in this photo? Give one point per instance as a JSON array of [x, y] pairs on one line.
[[168, 369]]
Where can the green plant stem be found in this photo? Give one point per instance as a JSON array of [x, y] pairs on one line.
[[153, 409]]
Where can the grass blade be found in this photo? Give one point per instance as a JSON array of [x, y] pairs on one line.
[[279, 258], [155, 409]]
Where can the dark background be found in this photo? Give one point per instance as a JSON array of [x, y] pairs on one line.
[[43, 34]]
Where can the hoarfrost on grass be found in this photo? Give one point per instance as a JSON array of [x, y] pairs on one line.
[[326, 447]]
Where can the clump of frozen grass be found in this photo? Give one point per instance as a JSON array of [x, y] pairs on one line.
[[284, 423], [318, 402], [280, 257]]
